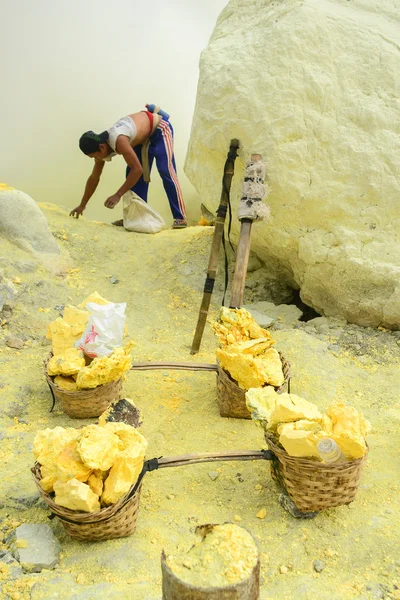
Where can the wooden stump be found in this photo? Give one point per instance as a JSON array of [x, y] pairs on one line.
[[174, 588]]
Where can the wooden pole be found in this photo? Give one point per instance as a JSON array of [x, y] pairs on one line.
[[216, 245], [242, 257], [242, 260]]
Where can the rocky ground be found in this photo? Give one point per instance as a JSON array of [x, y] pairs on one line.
[[349, 552]]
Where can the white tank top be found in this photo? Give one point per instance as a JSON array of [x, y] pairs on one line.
[[124, 126]]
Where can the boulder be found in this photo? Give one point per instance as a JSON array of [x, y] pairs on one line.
[[23, 223], [313, 86], [35, 547]]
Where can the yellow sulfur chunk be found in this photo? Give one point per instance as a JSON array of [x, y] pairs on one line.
[[290, 407], [349, 428], [123, 474], [49, 477], [131, 442], [261, 402], [106, 368], [96, 298], [70, 466], [237, 325], [129, 463], [241, 367], [300, 443], [71, 361], [224, 556], [66, 383], [95, 482], [253, 347], [77, 319], [251, 371], [97, 447], [269, 365], [48, 443], [61, 335], [76, 495]]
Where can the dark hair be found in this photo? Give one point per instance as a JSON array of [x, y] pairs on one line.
[[90, 141]]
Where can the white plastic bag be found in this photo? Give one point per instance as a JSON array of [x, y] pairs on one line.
[[105, 329], [139, 216]]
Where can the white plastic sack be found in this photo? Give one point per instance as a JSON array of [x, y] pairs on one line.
[[105, 329], [139, 216]]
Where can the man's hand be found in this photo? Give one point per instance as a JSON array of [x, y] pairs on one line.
[[112, 201], [77, 211]]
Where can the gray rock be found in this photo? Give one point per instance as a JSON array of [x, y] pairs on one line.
[[254, 263], [25, 266], [46, 341], [14, 568], [213, 475], [113, 279], [334, 348], [15, 342], [6, 296], [376, 590], [287, 314], [35, 547], [23, 223], [261, 318], [318, 565]]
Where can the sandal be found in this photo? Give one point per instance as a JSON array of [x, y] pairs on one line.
[[179, 224]]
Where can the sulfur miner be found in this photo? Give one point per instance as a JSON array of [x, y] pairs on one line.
[[90, 467], [298, 425], [224, 556]]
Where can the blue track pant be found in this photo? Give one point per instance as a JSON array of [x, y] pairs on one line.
[[162, 149]]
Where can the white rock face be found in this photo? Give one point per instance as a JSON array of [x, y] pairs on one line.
[[313, 86], [24, 224]]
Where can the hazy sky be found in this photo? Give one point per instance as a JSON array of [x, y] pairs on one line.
[[70, 66]]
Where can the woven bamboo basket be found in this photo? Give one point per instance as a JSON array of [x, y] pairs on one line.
[[84, 404], [313, 485], [115, 521], [232, 398]]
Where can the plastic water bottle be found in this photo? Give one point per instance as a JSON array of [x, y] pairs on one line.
[[329, 451], [151, 107]]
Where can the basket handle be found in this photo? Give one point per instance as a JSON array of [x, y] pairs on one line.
[[183, 366], [191, 459]]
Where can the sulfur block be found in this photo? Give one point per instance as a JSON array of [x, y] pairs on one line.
[[97, 447], [76, 495]]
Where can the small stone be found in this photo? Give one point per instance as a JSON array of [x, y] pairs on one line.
[[213, 475], [14, 568], [237, 518], [6, 296], [283, 569], [113, 279], [59, 307], [318, 565], [376, 591], [258, 487], [14, 342], [26, 266], [261, 514], [41, 548]]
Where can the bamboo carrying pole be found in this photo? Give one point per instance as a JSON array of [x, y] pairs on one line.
[[174, 588], [242, 254], [216, 245]]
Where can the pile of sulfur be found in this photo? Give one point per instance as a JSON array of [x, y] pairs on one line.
[[297, 425], [68, 364], [246, 351], [91, 467], [225, 555]]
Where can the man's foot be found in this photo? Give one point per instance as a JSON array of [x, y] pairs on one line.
[[179, 224], [119, 223]]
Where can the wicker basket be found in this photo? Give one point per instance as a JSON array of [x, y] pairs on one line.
[[232, 398], [84, 404], [312, 485], [116, 521]]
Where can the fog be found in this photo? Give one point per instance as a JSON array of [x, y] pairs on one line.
[[67, 67]]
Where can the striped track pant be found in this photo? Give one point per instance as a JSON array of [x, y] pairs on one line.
[[162, 149]]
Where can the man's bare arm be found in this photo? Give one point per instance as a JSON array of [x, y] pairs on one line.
[[90, 187], [124, 148]]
